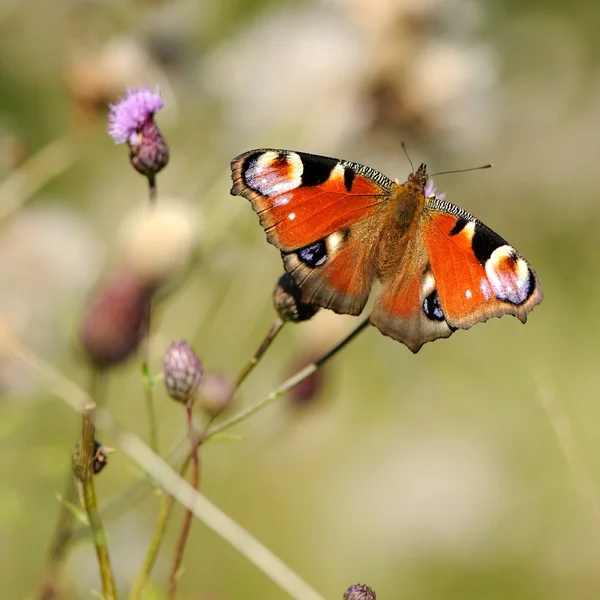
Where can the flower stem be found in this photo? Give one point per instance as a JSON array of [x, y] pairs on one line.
[[187, 522], [271, 335], [166, 508], [66, 526], [152, 188], [84, 473], [285, 386], [149, 387]]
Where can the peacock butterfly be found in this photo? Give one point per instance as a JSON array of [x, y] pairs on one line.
[[340, 226]]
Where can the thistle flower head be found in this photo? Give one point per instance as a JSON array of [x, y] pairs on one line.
[[183, 371], [431, 192], [129, 114], [359, 592], [287, 299], [131, 120]]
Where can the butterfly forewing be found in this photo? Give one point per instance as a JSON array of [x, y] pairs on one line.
[[320, 212], [478, 274]]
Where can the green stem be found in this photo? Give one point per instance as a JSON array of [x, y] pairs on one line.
[[149, 392], [187, 522], [264, 346], [84, 473], [66, 527], [166, 508], [285, 386]]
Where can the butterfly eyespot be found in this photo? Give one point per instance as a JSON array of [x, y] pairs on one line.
[[273, 173], [509, 275], [314, 255], [432, 308]]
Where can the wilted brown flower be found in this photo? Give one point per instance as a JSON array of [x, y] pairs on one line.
[[112, 327]]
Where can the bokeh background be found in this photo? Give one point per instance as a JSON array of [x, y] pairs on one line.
[[467, 471]]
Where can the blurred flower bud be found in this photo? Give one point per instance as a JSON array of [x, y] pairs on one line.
[[94, 79], [359, 592], [308, 390], [216, 394], [182, 370], [112, 327], [131, 120], [158, 240], [287, 298]]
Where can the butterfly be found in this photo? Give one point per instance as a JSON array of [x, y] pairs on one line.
[[340, 226]]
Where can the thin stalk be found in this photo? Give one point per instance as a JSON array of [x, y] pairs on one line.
[[67, 526], [187, 522], [149, 387], [148, 384], [264, 346], [85, 474], [285, 386], [152, 188], [166, 508]]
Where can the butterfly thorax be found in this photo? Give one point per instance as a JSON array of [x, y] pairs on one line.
[[399, 226]]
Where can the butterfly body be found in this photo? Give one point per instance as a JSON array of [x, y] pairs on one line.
[[340, 226]]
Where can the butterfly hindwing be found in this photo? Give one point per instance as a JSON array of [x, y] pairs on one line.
[[408, 306]]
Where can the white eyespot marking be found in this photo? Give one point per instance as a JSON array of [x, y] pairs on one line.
[[468, 294], [485, 289], [508, 274], [274, 173], [292, 216], [282, 200], [334, 241], [428, 285]]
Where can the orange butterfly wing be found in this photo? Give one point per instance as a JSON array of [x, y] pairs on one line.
[[319, 212], [477, 273]]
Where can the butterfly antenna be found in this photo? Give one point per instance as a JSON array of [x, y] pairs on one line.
[[462, 170], [407, 156]]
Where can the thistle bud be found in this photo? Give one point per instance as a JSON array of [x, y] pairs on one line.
[[287, 299], [182, 370], [131, 120], [112, 327], [359, 592]]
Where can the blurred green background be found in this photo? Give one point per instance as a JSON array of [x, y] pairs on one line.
[[430, 476]]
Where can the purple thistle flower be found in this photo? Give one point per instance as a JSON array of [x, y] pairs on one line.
[[431, 192], [129, 114], [131, 120]]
